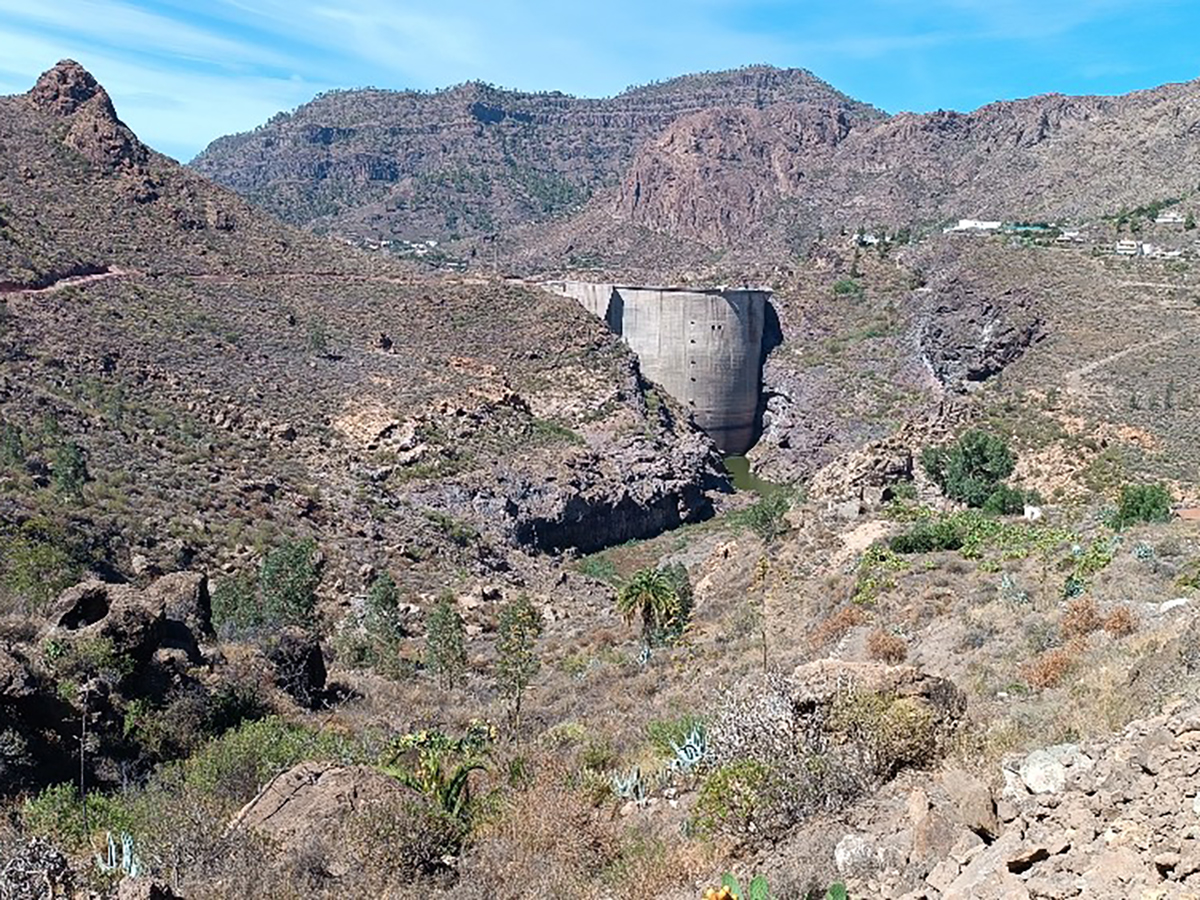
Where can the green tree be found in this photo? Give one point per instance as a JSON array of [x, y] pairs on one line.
[[70, 469], [520, 627], [445, 642], [651, 595], [971, 469], [12, 447], [288, 582], [1143, 503], [1190, 222], [382, 613]]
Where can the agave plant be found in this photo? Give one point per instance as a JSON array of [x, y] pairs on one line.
[[440, 766], [630, 786], [128, 863], [692, 751]]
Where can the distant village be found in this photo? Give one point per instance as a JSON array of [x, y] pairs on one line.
[[1174, 235]]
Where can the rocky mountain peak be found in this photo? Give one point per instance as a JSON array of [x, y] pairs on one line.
[[66, 87]]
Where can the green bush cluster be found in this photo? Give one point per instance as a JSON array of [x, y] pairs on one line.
[[1143, 503], [972, 470], [973, 532], [234, 766], [732, 797], [285, 594], [38, 560], [58, 815], [766, 517]]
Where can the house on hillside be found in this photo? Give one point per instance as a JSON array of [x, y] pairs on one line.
[[972, 225], [1129, 248], [1154, 252], [1070, 237], [1170, 217]]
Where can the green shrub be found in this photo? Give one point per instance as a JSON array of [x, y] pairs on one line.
[[766, 516], [234, 766], [847, 287], [85, 657], [929, 536], [58, 815], [876, 573], [600, 567], [971, 469], [892, 732], [12, 447], [445, 642], [288, 583], [1143, 503], [235, 604], [382, 607], [286, 593], [70, 470], [516, 644], [39, 560], [731, 797], [1006, 501]]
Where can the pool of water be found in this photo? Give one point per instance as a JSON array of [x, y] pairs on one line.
[[744, 479]]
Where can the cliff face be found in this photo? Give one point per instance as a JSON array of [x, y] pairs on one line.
[[732, 177], [472, 158]]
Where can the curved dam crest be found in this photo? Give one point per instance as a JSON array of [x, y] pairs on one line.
[[703, 345]]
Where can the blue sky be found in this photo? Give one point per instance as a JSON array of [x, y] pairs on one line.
[[183, 72]]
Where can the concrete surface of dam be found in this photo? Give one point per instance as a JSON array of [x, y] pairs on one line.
[[703, 345]]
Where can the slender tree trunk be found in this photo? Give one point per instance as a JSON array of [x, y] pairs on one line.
[[83, 760]]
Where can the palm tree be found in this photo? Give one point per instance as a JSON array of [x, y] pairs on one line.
[[651, 595]]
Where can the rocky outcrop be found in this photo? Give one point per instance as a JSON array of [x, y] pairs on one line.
[[136, 622], [1110, 820], [594, 498], [307, 805], [299, 664], [969, 334], [70, 91]]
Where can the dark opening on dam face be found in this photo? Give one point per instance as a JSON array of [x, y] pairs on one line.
[[703, 345]]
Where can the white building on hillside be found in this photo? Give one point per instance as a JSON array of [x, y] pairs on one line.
[[965, 225], [1170, 217]]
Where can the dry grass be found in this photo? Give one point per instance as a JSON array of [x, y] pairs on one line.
[[1081, 618], [835, 627], [1121, 622], [885, 647], [1048, 669]]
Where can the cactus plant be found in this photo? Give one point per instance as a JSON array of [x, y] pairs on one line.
[[630, 786], [692, 752], [128, 863]]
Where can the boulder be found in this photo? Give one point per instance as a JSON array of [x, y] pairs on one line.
[[144, 889], [299, 664], [184, 598], [166, 614], [308, 804]]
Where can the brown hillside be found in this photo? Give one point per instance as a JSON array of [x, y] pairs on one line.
[[473, 158]]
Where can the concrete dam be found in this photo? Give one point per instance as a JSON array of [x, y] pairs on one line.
[[703, 345]]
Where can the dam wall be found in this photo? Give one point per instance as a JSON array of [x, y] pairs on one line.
[[703, 345]]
